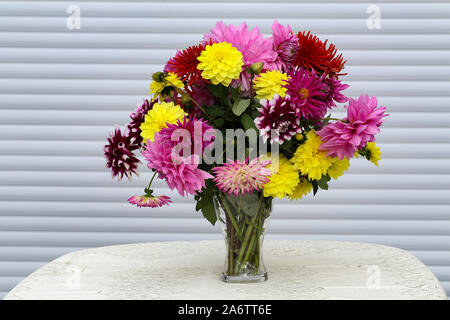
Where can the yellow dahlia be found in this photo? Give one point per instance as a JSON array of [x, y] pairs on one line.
[[157, 87], [284, 179], [221, 63], [374, 151], [338, 167], [301, 189], [309, 159], [158, 117], [270, 83]]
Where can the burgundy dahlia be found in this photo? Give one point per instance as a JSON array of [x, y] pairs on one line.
[[278, 121], [137, 118], [119, 155]]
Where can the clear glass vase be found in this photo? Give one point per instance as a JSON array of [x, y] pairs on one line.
[[243, 220]]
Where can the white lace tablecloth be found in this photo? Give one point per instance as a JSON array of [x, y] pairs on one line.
[[190, 270]]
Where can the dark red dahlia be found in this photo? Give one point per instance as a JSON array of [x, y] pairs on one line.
[[278, 121], [312, 53], [119, 155], [336, 63], [185, 62], [137, 118]]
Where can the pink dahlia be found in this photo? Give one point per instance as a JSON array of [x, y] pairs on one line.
[[332, 88], [149, 201], [179, 172], [306, 93], [342, 139], [240, 177], [119, 155], [251, 44], [285, 44], [278, 121], [191, 133]]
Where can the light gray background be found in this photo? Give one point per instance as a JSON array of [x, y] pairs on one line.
[[61, 92]]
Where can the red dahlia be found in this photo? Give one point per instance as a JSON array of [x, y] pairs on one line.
[[312, 53], [336, 63], [184, 64]]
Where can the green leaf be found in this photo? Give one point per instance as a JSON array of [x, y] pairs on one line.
[[219, 122], [215, 110], [323, 182], [315, 186], [240, 106], [247, 122], [205, 203], [236, 93], [215, 90]]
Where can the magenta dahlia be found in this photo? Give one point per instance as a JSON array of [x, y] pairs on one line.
[[119, 155], [306, 93], [191, 133], [237, 177], [149, 201], [181, 173], [137, 118], [278, 120], [253, 46], [332, 88], [286, 45], [342, 139]]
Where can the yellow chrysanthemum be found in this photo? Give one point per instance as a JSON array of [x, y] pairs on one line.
[[375, 152], [301, 189], [158, 117], [171, 80], [270, 83], [338, 167], [284, 179], [221, 63], [309, 159]]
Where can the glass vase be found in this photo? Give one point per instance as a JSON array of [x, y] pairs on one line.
[[243, 220]]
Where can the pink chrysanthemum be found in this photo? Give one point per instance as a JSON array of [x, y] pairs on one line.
[[149, 201], [197, 134], [237, 177], [181, 173], [253, 46], [342, 139], [285, 44], [137, 118], [278, 121], [305, 91], [119, 155], [332, 88]]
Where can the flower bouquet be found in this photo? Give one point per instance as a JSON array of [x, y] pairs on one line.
[[239, 119]]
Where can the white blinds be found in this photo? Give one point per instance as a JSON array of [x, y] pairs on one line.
[[62, 90]]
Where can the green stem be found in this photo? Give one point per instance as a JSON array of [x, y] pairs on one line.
[[244, 245], [230, 214]]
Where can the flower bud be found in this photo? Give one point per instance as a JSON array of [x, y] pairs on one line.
[[299, 137], [185, 98], [158, 76], [257, 67]]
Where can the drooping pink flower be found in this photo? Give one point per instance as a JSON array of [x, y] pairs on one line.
[[149, 201], [237, 177], [278, 120], [181, 173], [253, 46], [332, 88], [343, 138], [190, 133], [119, 155], [285, 44], [306, 92]]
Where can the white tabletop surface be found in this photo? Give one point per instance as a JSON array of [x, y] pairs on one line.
[[190, 270]]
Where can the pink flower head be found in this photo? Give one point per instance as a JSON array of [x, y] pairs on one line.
[[285, 44], [342, 139], [149, 201], [237, 177], [332, 88], [190, 133], [179, 172], [278, 120], [253, 46], [306, 92]]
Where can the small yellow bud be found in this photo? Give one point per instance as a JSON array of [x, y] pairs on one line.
[[257, 67], [158, 76], [299, 137]]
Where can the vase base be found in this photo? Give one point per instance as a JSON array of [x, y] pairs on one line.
[[244, 278]]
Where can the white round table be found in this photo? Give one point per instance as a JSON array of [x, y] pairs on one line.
[[190, 270]]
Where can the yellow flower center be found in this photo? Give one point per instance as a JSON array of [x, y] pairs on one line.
[[304, 92]]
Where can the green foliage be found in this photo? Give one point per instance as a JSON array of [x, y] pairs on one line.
[[240, 106], [247, 122], [205, 203]]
